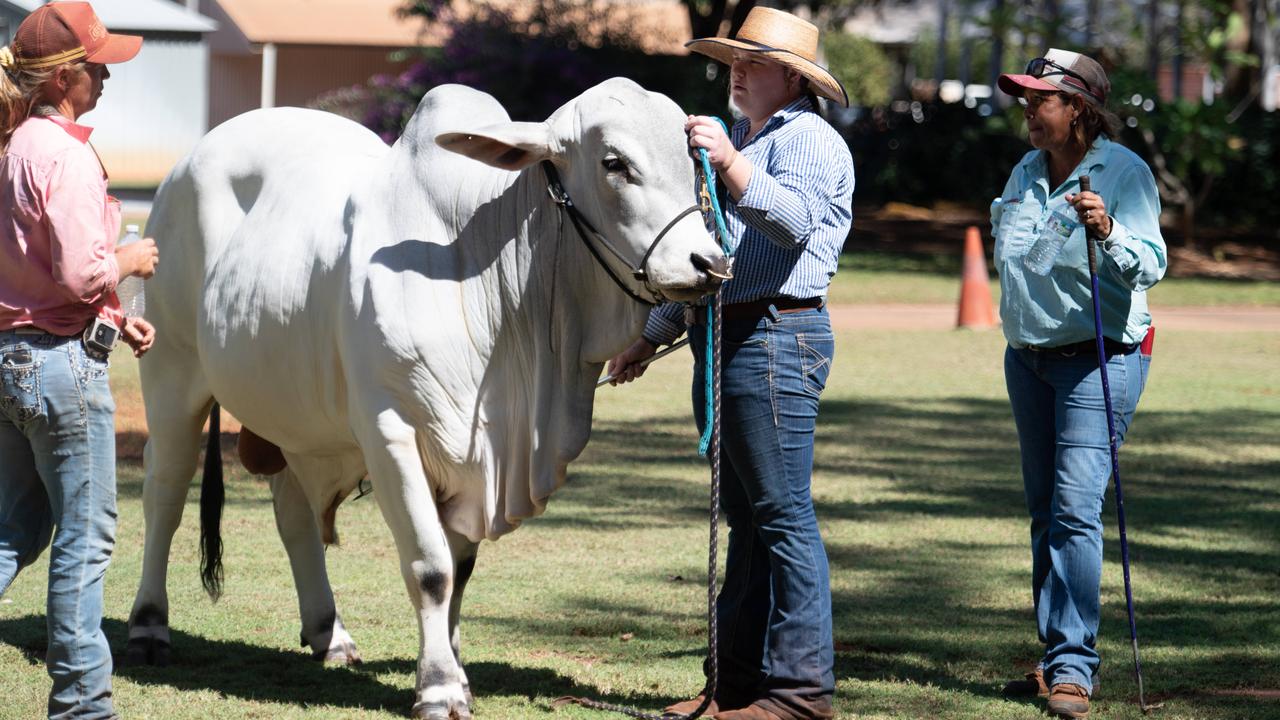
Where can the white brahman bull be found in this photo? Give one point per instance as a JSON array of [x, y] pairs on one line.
[[409, 312]]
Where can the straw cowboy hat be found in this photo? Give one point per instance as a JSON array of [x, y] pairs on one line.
[[784, 39]]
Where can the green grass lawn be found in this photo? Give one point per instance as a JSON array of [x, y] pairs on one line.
[[873, 277], [919, 496]]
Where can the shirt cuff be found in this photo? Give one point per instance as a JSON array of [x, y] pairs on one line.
[[665, 324], [1115, 247]]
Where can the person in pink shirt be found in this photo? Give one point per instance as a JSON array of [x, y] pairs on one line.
[[59, 318]]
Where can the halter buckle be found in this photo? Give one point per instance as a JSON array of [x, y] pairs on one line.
[[558, 194]]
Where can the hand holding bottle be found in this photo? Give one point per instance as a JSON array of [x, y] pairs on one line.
[[138, 258]]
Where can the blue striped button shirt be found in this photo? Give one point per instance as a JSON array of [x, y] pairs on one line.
[[787, 231]]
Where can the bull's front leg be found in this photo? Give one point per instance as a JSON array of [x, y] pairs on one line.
[[426, 563]]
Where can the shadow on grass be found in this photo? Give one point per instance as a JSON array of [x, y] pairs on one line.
[[920, 612], [1198, 510], [251, 672]]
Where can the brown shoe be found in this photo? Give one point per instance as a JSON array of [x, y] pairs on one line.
[[1068, 700], [1031, 685], [754, 711], [687, 706]]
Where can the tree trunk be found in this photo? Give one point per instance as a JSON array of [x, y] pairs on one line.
[[706, 25], [940, 64], [1238, 79], [999, 27], [740, 15], [1052, 23], [1178, 51], [1093, 10], [1153, 38]]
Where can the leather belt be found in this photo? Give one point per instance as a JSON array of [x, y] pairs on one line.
[[756, 309], [1085, 347]]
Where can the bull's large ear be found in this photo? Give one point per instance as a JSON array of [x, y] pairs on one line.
[[510, 146]]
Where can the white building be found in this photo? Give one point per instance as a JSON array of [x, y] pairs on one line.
[[155, 107]]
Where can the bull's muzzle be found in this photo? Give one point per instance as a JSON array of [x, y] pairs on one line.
[[717, 268]]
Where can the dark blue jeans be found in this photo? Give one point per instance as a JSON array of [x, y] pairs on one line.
[[58, 483], [774, 608], [1061, 417]]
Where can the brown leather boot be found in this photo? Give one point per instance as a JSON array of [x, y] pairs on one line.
[[1031, 685], [685, 707], [1068, 700]]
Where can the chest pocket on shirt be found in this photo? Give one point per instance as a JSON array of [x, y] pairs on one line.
[[1017, 227]]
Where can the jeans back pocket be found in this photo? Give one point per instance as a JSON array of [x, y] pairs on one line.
[[19, 384], [816, 351]]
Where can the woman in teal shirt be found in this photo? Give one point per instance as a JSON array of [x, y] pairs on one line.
[[1051, 365]]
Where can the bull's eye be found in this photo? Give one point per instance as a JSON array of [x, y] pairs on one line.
[[615, 164]]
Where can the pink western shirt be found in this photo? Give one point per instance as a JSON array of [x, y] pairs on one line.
[[58, 230]]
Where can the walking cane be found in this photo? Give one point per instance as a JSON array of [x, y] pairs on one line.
[[1091, 243]]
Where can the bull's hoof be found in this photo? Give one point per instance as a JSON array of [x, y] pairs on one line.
[[340, 654], [147, 651], [424, 711]]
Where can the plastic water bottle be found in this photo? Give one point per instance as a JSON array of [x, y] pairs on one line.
[[1057, 230], [133, 298]]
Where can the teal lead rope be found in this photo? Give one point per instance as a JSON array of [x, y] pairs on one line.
[[711, 441], [712, 374]]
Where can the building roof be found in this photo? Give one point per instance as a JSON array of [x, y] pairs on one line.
[[325, 22], [894, 23], [138, 15]]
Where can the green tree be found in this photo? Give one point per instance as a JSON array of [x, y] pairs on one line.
[[859, 63]]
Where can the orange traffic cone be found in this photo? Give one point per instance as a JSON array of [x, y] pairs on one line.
[[976, 308]]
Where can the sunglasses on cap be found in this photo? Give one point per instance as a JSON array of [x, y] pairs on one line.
[[1040, 67]]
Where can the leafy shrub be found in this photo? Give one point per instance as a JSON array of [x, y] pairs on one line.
[[932, 152], [863, 68], [532, 64]]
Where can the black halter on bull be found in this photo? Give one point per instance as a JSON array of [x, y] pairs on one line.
[[709, 443]]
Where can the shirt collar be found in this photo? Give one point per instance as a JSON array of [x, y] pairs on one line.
[[79, 132], [1095, 157], [784, 115]]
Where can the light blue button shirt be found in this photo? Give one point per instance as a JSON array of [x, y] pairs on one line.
[[1057, 309], [788, 228]]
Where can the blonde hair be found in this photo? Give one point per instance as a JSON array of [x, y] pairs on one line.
[[21, 89]]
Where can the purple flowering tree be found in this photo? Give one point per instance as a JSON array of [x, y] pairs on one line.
[[532, 57]]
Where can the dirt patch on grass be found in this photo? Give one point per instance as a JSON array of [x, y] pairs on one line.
[[1251, 693], [132, 434]]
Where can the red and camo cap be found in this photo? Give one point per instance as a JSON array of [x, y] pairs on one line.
[[1061, 71], [62, 32]]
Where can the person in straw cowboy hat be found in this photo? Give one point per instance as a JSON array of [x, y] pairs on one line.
[[789, 178], [59, 317]]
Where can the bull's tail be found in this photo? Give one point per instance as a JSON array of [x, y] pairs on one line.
[[212, 496]]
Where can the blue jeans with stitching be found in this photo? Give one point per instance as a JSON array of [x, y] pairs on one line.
[[774, 609], [58, 483], [1060, 414]]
